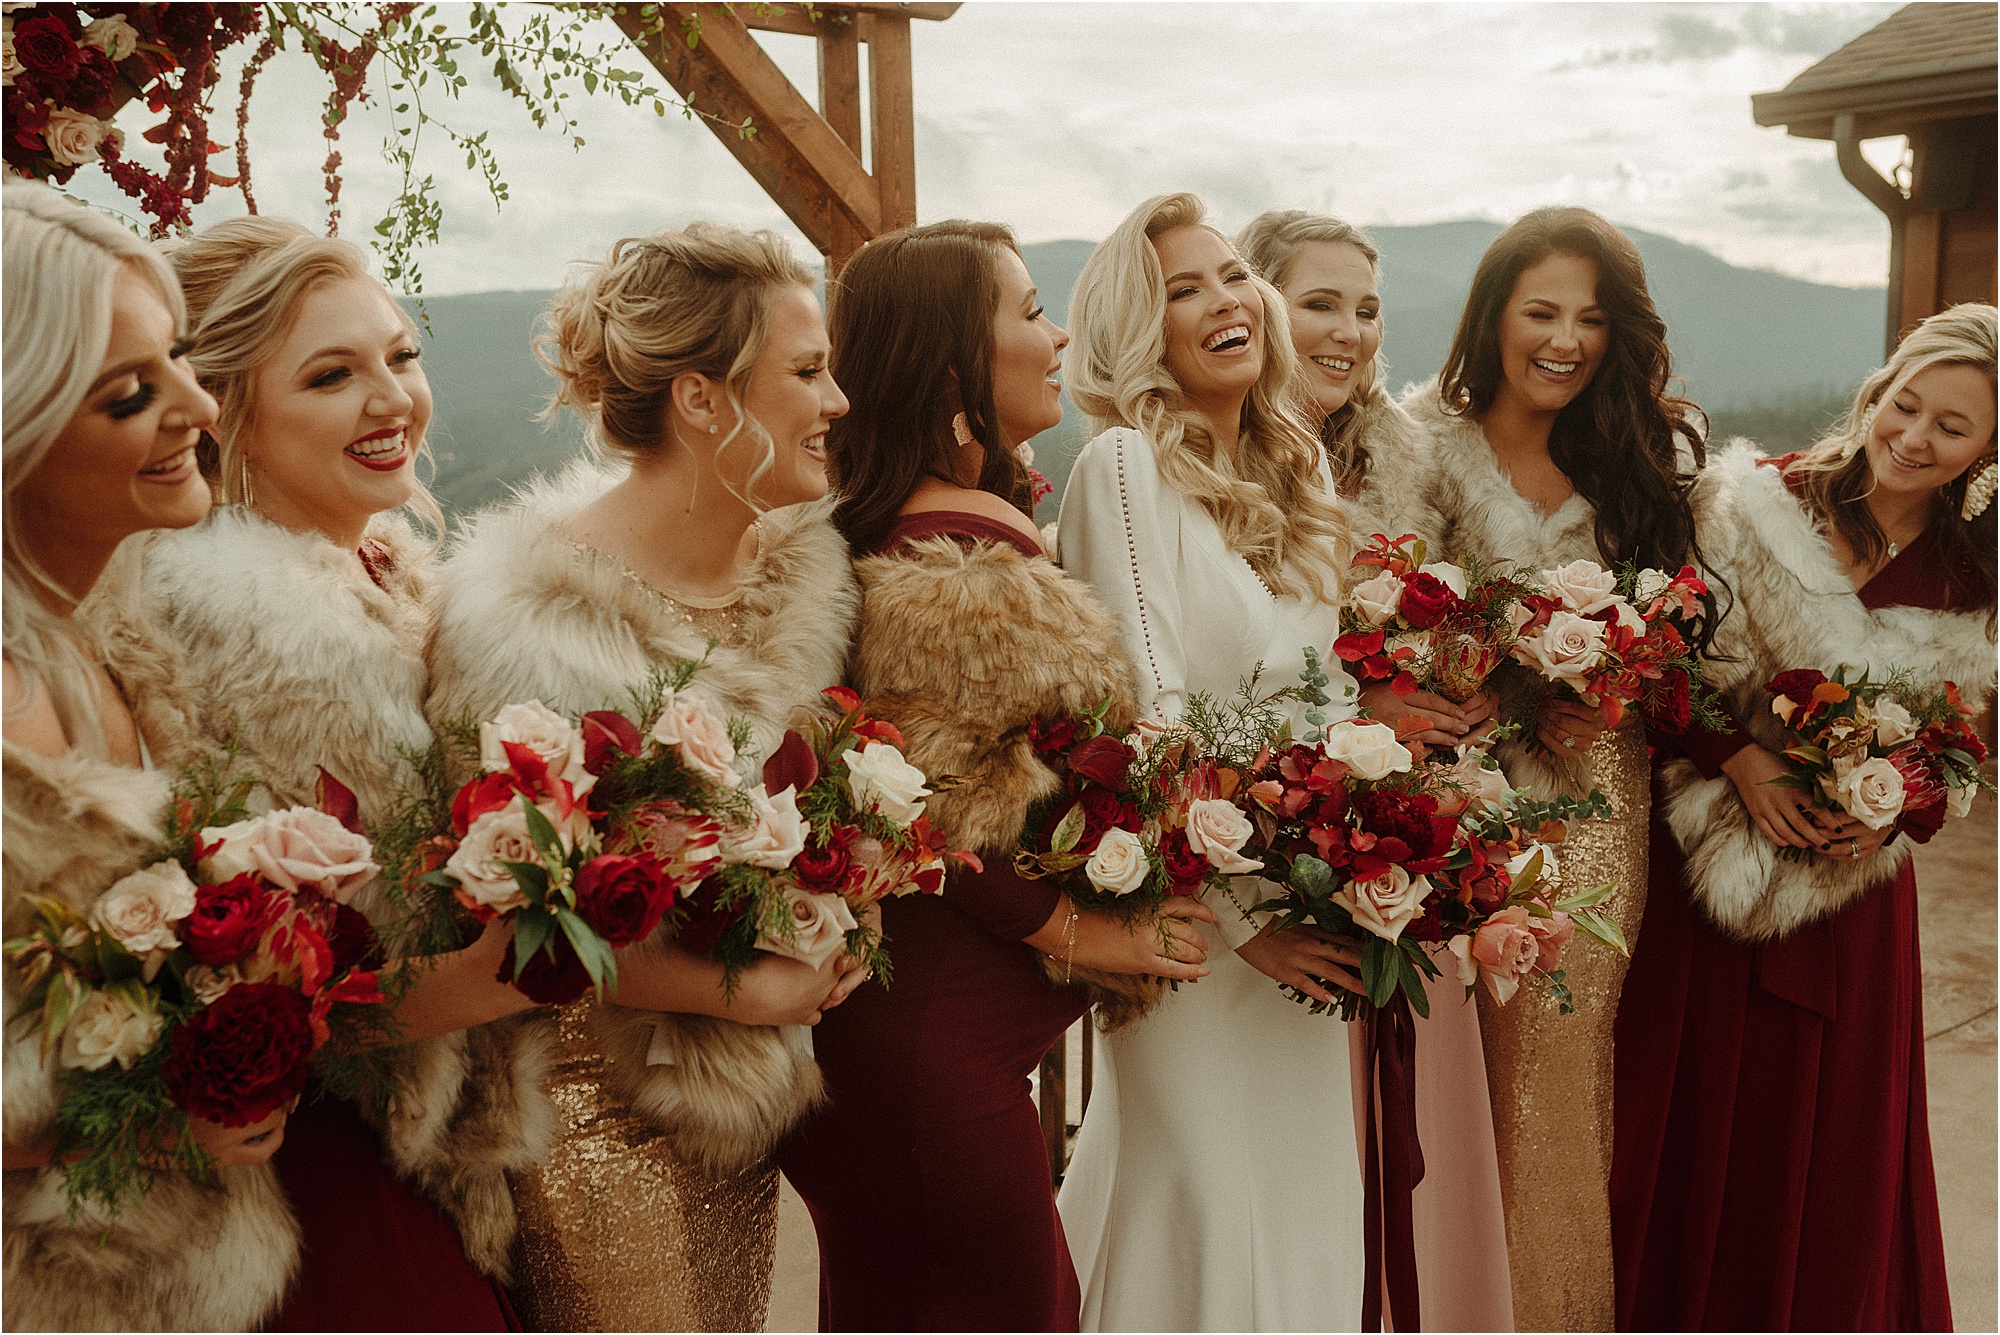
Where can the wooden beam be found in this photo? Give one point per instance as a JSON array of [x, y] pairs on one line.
[[840, 81], [804, 166], [892, 116]]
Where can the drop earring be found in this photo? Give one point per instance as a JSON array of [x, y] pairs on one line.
[[248, 494], [1979, 490], [961, 430]]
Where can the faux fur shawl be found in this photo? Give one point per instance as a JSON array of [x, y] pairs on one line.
[[189, 1256], [1794, 608], [241, 629], [961, 646], [1480, 514], [525, 614], [1392, 498]]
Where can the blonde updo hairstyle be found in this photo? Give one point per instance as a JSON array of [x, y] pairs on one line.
[[245, 280], [62, 264], [696, 300], [1265, 494], [1838, 476], [1271, 243]]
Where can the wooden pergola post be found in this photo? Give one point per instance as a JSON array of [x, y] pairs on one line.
[[807, 159]]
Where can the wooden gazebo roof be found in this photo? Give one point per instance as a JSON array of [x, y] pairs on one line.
[[1924, 62]]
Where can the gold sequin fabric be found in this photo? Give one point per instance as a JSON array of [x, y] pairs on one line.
[[619, 1233], [1549, 1075]]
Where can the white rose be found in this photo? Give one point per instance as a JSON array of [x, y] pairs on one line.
[[106, 1029], [495, 837], [1893, 724], [1519, 862], [1450, 575], [235, 852], [773, 838], [820, 924], [1376, 600], [1630, 617], [302, 847], [1583, 586], [1369, 749], [10, 65], [1119, 865], [882, 779], [140, 910], [1218, 830], [1650, 585], [1871, 792], [73, 137], [1386, 904], [1565, 649], [1490, 787], [209, 984], [554, 739], [703, 737], [113, 36], [1958, 800]]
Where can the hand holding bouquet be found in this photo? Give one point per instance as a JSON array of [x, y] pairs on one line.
[[1891, 754], [202, 985]]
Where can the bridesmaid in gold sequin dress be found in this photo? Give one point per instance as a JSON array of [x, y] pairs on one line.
[[699, 359], [1554, 440]]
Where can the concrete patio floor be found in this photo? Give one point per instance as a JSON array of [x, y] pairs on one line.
[[1957, 887]]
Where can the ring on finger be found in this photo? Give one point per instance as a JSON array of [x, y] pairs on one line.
[[1853, 848]]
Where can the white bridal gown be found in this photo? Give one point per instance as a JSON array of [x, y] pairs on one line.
[[1215, 1184]]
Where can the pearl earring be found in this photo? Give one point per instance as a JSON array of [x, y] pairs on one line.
[[713, 429], [1979, 490]]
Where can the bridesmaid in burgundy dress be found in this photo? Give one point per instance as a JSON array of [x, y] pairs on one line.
[[1773, 1163], [924, 1170]]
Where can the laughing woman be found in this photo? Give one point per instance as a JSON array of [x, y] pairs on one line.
[[1329, 274], [1202, 517], [1553, 440], [1773, 1167], [699, 359], [290, 625], [102, 416]]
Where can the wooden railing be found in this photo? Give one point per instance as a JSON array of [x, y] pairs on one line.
[[1052, 1086]]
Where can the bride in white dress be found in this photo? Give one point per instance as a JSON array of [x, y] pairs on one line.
[[1216, 1183]]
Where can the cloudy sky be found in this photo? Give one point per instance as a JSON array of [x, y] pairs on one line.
[[1058, 118]]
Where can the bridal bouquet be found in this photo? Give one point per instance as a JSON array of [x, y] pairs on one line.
[[1439, 627], [1613, 641], [1890, 754], [203, 985], [855, 834], [1368, 845]]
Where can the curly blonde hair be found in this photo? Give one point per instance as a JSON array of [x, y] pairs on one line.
[[1265, 494], [696, 300], [245, 280]]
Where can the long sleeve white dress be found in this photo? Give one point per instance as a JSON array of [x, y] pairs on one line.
[[1215, 1184]]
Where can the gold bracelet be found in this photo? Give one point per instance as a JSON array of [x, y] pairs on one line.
[[1069, 944]]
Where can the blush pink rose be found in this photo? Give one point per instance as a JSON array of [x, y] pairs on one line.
[[1551, 935], [1505, 949], [302, 847]]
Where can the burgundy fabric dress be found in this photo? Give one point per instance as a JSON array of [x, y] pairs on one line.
[[1772, 1168], [377, 1256], [924, 1170]]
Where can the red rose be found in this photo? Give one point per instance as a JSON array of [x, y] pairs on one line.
[[353, 941], [237, 1061], [44, 46], [704, 920], [1671, 706], [551, 979], [229, 919], [1796, 685], [1427, 600], [1186, 869], [823, 868], [1103, 760], [1101, 811], [622, 898], [1050, 737]]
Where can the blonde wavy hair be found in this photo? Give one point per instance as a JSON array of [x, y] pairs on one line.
[[1270, 242], [62, 263], [1265, 495], [1838, 476], [245, 280], [693, 300]]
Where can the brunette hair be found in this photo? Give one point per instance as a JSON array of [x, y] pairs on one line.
[[1270, 243], [693, 301], [1838, 477], [910, 311], [245, 281], [63, 266], [1616, 440], [1265, 494]]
